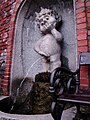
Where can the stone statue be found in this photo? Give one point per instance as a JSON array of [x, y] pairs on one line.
[[49, 44]]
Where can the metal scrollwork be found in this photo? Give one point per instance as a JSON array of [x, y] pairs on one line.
[[59, 87]]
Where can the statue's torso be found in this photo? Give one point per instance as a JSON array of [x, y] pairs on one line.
[[49, 45]]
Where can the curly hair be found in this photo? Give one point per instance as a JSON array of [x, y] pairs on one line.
[[44, 12]]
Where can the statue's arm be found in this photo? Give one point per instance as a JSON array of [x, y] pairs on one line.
[[56, 34]]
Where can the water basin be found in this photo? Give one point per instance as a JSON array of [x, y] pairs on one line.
[[5, 105]]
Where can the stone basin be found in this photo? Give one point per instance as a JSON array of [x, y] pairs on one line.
[[67, 114], [7, 116]]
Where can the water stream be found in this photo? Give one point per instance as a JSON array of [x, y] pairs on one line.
[[17, 91]]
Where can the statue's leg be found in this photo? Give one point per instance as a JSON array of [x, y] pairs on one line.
[[45, 65], [55, 61], [57, 110]]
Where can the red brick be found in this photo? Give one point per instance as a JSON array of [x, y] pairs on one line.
[[5, 86], [88, 10], [8, 8], [80, 26], [82, 43], [88, 4], [7, 70], [9, 55], [83, 49], [7, 73], [13, 18], [88, 14], [81, 0], [89, 43], [6, 78], [88, 25], [5, 4], [1, 44], [83, 31], [82, 37], [79, 5], [5, 82], [8, 62], [89, 49], [82, 20], [88, 19], [84, 68], [80, 10], [80, 15], [83, 74], [84, 87], [9, 50], [86, 81]]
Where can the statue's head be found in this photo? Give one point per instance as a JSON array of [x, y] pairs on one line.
[[46, 19]]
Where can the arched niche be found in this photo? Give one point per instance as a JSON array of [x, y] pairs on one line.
[[25, 61]]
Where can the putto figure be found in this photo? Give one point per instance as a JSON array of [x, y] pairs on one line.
[[49, 44]]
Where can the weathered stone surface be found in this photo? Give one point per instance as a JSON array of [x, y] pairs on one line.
[[41, 97], [22, 96], [31, 100], [42, 77]]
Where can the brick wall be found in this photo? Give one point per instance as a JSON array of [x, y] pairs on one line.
[[88, 21], [8, 13], [83, 35], [5, 17], [88, 28]]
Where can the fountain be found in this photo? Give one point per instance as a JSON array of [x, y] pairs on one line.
[[26, 35], [20, 85], [15, 103]]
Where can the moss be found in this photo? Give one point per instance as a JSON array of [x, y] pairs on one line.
[[42, 77], [86, 112], [41, 98]]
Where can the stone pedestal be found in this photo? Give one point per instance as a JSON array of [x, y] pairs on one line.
[[40, 94]]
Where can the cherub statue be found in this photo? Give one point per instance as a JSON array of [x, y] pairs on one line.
[[49, 44]]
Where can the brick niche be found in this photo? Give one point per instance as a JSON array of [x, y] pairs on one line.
[[8, 15]]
